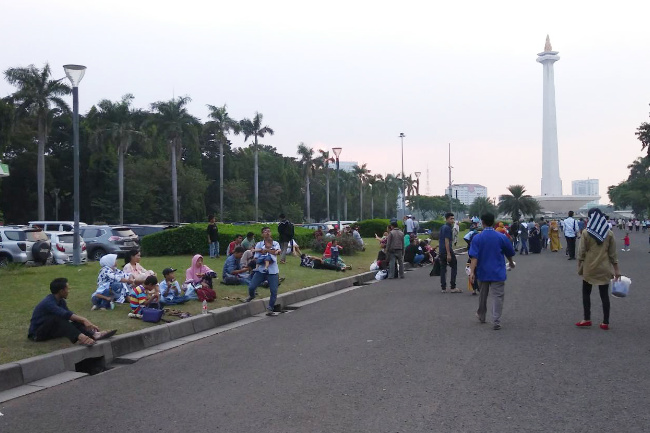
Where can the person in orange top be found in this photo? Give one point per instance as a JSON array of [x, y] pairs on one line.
[[501, 229]]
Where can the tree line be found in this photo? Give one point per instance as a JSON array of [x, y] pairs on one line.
[[164, 164]]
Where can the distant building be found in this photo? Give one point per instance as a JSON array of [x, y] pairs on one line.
[[467, 192], [586, 187], [344, 165]]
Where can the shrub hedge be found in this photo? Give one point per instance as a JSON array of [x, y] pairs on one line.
[[193, 238], [350, 246]]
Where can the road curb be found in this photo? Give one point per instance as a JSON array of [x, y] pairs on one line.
[[29, 374]]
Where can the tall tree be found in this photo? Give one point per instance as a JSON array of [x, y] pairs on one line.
[[220, 125], [117, 124], [308, 165], [481, 206], [323, 162], [518, 203], [37, 93], [176, 125], [253, 128], [361, 173]]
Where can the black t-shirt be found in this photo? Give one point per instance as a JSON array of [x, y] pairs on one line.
[[213, 232], [410, 252]]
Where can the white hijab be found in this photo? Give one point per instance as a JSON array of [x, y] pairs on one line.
[[108, 260]]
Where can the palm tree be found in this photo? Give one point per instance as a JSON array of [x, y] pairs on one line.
[[361, 173], [221, 124], [323, 162], [176, 125], [518, 203], [254, 128], [308, 165], [35, 95], [389, 182], [481, 206], [117, 124]]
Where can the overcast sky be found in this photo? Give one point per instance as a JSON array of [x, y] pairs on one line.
[[355, 74]]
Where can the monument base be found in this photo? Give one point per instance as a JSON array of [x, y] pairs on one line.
[[562, 204]]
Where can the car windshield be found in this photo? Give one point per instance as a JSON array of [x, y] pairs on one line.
[[36, 236], [123, 232]]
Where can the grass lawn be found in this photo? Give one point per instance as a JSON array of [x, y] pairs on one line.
[[21, 288]]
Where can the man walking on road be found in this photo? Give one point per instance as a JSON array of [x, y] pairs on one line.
[[395, 249], [486, 252], [570, 233], [447, 256]]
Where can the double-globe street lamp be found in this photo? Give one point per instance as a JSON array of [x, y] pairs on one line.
[[337, 152], [75, 73]]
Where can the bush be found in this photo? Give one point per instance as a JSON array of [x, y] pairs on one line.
[[350, 246], [434, 225], [370, 228], [193, 238]]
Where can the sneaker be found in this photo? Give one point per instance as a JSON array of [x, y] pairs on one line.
[[444, 290], [496, 327], [479, 318], [271, 313], [456, 290], [93, 308], [248, 299]]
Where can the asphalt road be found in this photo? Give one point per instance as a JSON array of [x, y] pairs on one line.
[[396, 356]]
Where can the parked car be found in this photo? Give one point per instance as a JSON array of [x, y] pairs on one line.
[[20, 244], [143, 230], [102, 240], [55, 226], [315, 226], [62, 243]]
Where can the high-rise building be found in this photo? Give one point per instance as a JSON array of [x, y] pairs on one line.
[[586, 187], [466, 193]]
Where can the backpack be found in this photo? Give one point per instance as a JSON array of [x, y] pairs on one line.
[[206, 294]]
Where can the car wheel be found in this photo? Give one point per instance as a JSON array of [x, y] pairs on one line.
[[4, 261], [98, 254]]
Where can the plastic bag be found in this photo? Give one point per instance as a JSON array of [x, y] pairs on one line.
[[621, 288], [381, 275], [374, 266]]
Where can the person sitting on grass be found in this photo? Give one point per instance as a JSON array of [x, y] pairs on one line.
[[132, 266], [233, 271], [331, 255], [52, 319], [144, 295], [170, 290], [114, 279], [198, 273], [316, 263], [265, 259]]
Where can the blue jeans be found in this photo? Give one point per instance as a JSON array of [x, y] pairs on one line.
[[418, 258], [274, 282], [214, 249], [102, 303], [524, 246]]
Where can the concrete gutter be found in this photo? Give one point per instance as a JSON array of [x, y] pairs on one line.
[[44, 371]]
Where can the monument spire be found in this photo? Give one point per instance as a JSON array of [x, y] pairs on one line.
[[547, 46]]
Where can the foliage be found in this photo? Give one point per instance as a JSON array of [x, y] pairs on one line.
[[518, 203], [370, 228], [350, 246], [192, 238], [635, 191], [435, 206], [643, 134], [481, 206]]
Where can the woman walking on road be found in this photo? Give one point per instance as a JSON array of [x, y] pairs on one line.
[[596, 259], [554, 236]]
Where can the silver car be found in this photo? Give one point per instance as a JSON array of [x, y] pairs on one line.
[[62, 251], [20, 244], [102, 240]]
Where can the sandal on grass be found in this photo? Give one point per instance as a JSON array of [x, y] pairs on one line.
[[104, 334], [84, 340]]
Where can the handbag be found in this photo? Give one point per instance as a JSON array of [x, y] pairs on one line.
[[435, 272], [152, 315]]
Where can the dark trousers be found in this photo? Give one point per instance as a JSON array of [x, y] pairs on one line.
[[56, 327], [586, 300], [571, 247], [320, 265], [453, 264]]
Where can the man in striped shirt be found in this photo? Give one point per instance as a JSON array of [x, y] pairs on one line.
[[139, 297]]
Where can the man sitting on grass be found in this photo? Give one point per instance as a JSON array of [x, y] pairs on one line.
[[52, 319]]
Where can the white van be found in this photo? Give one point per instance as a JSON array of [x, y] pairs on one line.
[[55, 226]]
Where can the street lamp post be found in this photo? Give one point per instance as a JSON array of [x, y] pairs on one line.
[[401, 136], [337, 152], [75, 73], [417, 188]]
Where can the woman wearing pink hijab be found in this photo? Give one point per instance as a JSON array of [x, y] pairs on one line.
[[198, 272]]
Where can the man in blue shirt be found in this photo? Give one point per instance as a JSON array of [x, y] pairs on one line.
[[544, 231], [233, 273], [488, 266], [272, 276], [52, 319], [447, 256]]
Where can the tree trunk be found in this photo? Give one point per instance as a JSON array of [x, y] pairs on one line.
[[372, 203], [256, 184], [327, 189], [40, 165], [221, 180], [386, 205], [120, 180], [360, 200], [174, 182], [345, 208], [307, 199]]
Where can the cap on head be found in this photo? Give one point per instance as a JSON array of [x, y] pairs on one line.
[[168, 271]]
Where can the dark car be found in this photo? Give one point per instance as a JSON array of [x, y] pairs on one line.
[[143, 230], [102, 240]]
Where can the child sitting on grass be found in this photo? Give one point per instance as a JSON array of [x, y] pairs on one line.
[[143, 296], [170, 290]]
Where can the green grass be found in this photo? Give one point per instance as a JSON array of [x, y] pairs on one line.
[[21, 288]]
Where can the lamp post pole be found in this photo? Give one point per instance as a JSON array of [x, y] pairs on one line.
[[75, 73], [337, 152], [417, 189], [401, 136]]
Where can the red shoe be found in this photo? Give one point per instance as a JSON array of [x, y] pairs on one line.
[[604, 326], [584, 323]]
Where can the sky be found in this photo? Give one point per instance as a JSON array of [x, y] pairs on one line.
[[356, 73]]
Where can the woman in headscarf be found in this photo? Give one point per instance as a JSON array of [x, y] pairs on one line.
[[535, 239], [112, 283], [554, 236], [502, 229], [596, 260], [199, 273], [132, 266]]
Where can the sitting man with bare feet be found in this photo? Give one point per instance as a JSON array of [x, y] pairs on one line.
[[52, 319]]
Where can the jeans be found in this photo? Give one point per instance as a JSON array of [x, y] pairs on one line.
[[102, 303], [524, 246], [214, 249], [453, 264], [515, 242], [586, 300], [395, 255], [257, 279], [418, 259], [283, 250], [544, 242]]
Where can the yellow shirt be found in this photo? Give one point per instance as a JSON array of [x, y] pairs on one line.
[[595, 261]]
